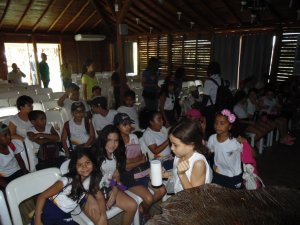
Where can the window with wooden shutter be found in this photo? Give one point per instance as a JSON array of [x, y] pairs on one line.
[[163, 55], [177, 52], [287, 55], [203, 57], [142, 53]]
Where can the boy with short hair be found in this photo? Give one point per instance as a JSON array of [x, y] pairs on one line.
[[129, 108], [40, 132], [77, 131], [96, 91], [101, 115]]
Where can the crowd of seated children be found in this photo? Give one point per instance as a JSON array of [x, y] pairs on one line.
[[77, 131], [270, 110], [101, 115], [156, 137], [167, 102], [40, 132], [20, 123], [138, 185], [110, 153], [11, 162], [130, 109]]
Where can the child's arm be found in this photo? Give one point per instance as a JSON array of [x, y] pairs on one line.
[[60, 101], [21, 162], [197, 176], [92, 135], [64, 137], [13, 132], [51, 191], [156, 149]]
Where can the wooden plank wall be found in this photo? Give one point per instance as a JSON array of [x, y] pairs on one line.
[[75, 52]]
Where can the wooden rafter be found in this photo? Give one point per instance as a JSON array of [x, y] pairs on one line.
[[96, 24], [101, 14], [190, 8], [124, 10], [85, 21], [60, 15], [159, 17], [133, 24], [145, 23], [232, 12], [209, 9], [111, 8], [170, 6], [76, 16], [143, 16], [4, 12], [51, 3], [23, 16]]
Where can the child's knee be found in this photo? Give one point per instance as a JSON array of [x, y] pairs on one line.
[[148, 199], [131, 206]]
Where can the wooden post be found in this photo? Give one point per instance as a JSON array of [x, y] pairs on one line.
[[36, 60]]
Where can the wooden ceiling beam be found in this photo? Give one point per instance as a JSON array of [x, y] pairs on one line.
[[232, 12], [60, 15], [145, 17], [211, 11], [36, 25], [170, 6], [85, 21], [111, 8], [161, 16], [144, 22], [133, 24], [96, 24], [23, 16], [102, 15], [190, 8], [124, 9], [76, 16], [4, 12]]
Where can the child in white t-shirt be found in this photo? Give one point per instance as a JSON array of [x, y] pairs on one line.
[[77, 131], [11, 163], [227, 150], [101, 115]]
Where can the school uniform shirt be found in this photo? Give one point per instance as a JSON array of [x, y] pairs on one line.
[[21, 125], [132, 113], [79, 134], [251, 108], [153, 137], [100, 121], [170, 102], [227, 155], [62, 200], [8, 163], [47, 130], [195, 157], [240, 111], [210, 88], [108, 167]]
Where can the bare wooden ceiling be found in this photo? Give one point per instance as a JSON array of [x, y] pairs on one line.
[[99, 16]]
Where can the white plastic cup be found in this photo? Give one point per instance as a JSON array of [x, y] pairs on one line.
[[156, 173]]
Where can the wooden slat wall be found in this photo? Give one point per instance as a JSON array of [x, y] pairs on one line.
[[75, 52]]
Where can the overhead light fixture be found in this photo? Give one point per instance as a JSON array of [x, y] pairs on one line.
[[179, 15], [116, 6], [150, 29], [192, 23], [89, 37], [137, 20], [243, 4], [252, 17]]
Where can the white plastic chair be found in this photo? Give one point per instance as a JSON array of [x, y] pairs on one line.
[[198, 83], [29, 92], [54, 117], [38, 106], [4, 214], [48, 105], [27, 186], [33, 87], [13, 100], [114, 211], [9, 94], [40, 97], [30, 161], [4, 102], [43, 91], [56, 95], [8, 111]]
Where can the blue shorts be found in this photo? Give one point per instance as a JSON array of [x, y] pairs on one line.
[[53, 215]]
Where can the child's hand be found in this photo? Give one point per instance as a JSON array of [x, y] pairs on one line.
[[241, 139], [182, 167]]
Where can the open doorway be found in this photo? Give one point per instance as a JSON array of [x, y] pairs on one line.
[[23, 55]]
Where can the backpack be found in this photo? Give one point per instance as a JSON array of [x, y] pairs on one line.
[[67, 127], [224, 98], [49, 152]]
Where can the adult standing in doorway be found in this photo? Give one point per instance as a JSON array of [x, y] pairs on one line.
[[88, 79], [44, 70], [150, 84], [15, 76], [66, 72]]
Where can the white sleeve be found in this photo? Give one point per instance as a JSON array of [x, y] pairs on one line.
[[64, 180], [133, 139], [210, 143], [149, 139], [19, 146]]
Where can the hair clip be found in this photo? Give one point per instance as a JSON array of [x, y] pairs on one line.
[[230, 116]]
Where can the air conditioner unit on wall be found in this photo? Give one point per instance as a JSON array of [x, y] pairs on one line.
[[89, 37]]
